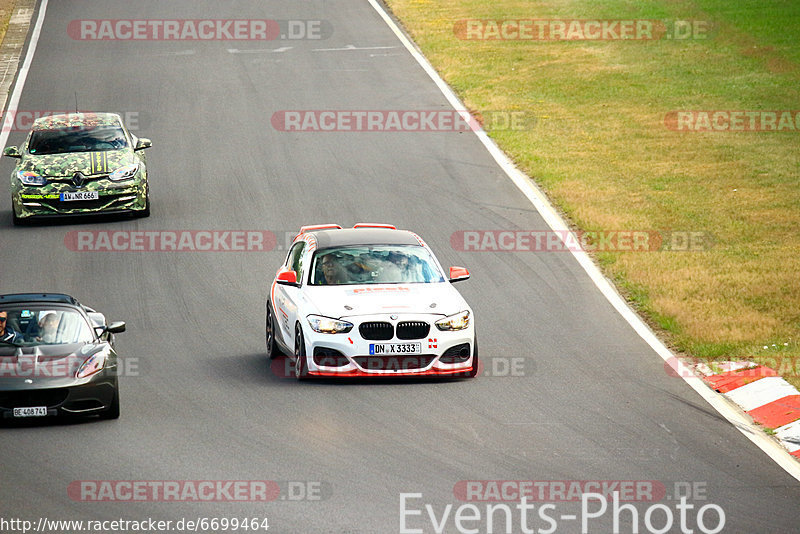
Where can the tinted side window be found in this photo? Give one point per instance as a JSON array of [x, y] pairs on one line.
[[295, 260]]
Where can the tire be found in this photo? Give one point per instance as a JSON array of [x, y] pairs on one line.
[[113, 411], [14, 219], [269, 334], [473, 372], [146, 211], [300, 363]]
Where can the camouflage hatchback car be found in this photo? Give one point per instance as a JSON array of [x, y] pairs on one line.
[[79, 164]]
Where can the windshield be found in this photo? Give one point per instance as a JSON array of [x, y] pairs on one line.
[[29, 326], [77, 139], [379, 264]]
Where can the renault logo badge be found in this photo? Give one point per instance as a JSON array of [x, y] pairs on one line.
[[78, 178]]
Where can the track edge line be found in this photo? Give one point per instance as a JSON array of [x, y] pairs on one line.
[[535, 195]]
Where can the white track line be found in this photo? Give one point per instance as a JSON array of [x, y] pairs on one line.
[[771, 447], [11, 111]]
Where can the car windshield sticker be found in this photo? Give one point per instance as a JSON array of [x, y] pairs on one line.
[[382, 290]]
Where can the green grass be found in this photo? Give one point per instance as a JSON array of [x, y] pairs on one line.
[[601, 151]]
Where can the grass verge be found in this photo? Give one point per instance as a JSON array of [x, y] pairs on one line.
[[6, 8], [602, 150]]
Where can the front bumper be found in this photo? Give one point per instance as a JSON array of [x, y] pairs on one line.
[[338, 355], [68, 397], [40, 202]]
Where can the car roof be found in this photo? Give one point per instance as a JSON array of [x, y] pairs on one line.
[[73, 120], [364, 236], [59, 298]]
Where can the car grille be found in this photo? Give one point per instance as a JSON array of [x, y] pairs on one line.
[[376, 330], [412, 329], [456, 354], [79, 204], [394, 363], [69, 179], [33, 397]]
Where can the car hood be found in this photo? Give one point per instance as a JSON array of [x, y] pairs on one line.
[[43, 361], [354, 300], [88, 163]]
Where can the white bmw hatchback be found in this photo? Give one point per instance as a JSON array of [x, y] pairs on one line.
[[369, 301]]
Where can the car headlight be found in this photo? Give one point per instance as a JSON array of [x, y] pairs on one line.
[[93, 364], [457, 321], [31, 178], [124, 173], [326, 325]]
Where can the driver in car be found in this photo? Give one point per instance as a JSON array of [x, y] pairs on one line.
[[332, 270], [7, 334]]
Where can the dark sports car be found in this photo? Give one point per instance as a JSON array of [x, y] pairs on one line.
[[56, 358]]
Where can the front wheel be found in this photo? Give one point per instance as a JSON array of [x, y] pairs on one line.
[[146, 211], [269, 329], [300, 363], [16, 220]]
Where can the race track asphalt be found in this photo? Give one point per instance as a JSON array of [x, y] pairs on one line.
[[591, 400]]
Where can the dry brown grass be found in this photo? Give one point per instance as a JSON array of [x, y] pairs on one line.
[[602, 152], [6, 9]]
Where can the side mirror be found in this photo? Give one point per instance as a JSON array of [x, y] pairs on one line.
[[116, 327], [287, 278], [457, 274], [143, 143], [12, 152]]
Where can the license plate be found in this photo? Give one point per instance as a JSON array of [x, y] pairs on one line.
[[79, 195], [35, 411], [395, 348]]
